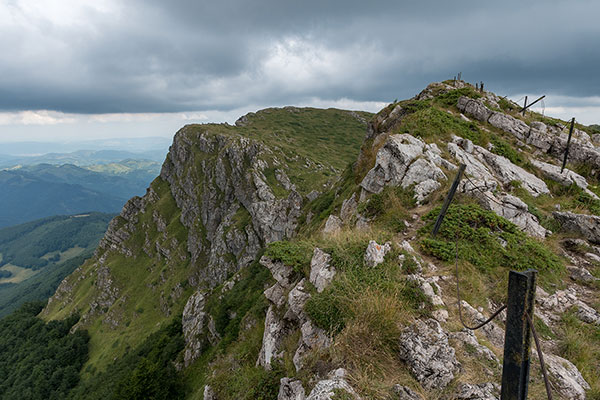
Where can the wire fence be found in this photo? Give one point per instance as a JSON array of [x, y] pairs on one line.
[[504, 306]]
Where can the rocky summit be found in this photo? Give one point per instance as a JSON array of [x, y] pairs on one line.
[[290, 257]]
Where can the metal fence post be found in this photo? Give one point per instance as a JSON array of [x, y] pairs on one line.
[[517, 340], [451, 193], [568, 144]]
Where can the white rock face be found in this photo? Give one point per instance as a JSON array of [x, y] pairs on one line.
[[209, 393], [375, 253], [405, 393], [290, 390], [551, 307], [392, 161], [276, 294], [474, 108], [566, 377], [549, 139], [434, 154], [478, 172], [276, 328], [509, 124], [424, 189], [567, 178], [279, 270], [297, 298], [424, 174], [333, 224], [482, 391], [312, 338], [425, 349], [513, 209], [321, 273], [324, 390], [275, 332], [491, 331], [422, 170], [195, 325], [586, 225], [427, 285], [348, 209], [405, 160], [468, 337], [580, 274], [506, 172]]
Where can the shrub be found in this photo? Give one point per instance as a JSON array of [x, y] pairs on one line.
[[486, 240], [451, 98], [295, 254]]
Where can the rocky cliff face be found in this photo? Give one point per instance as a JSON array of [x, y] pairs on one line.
[[219, 199], [295, 280]]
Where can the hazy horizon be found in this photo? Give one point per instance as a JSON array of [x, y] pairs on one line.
[[103, 68]]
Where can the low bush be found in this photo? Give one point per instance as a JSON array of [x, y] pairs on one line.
[[487, 241]]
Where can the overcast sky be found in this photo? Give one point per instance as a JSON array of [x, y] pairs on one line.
[[108, 68]]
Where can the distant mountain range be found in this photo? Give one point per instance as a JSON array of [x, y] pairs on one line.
[[80, 158], [36, 191], [157, 147]]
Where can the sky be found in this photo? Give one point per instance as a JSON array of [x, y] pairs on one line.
[[90, 69]]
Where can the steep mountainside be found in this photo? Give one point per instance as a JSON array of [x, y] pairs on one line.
[[223, 193], [291, 257]]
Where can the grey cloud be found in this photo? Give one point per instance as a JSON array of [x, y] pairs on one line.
[[156, 56]]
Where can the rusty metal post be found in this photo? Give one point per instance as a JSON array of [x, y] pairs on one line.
[[517, 339]]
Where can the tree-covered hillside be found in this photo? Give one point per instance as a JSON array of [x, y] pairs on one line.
[[39, 360], [36, 256]]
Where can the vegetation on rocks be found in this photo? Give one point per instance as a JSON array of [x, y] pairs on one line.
[[178, 299]]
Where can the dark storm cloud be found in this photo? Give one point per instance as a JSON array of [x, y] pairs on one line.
[[156, 56]]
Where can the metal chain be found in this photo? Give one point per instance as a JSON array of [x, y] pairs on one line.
[[472, 328], [541, 357]]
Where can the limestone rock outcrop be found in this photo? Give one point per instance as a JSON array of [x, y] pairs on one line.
[[425, 349], [587, 226], [400, 162], [326, 389]]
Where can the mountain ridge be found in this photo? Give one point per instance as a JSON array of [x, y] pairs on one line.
[[295, 246]]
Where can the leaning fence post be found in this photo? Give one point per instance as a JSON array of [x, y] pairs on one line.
[[568, 144], [440, 218], [517, 339]]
